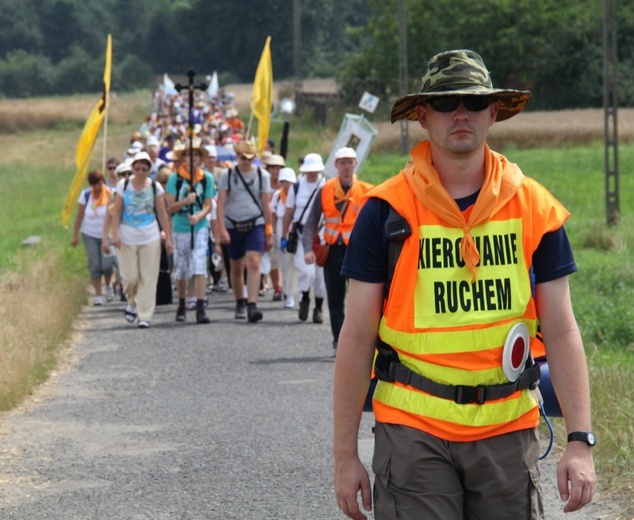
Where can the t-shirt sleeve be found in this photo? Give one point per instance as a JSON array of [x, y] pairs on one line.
[[209, 186], [366, 257], [553, 257], [159, 189], [171, 184]]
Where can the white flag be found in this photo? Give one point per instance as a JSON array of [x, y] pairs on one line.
[[212, 89], [168, 86]]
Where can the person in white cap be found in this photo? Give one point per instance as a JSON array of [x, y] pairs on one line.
[[274, 164], [152, 147], [288, 274], [137, 236], [298, 204], [337, 205]]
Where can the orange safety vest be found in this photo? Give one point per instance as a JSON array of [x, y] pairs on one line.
[[451, 329], [334, 224]]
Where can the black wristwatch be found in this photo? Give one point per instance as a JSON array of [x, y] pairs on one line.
[[587, 437]]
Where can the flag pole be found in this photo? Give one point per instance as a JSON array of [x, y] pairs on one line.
[[105, 135]]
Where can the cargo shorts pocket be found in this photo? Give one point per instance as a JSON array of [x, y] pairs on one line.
[[535, 494], [384, 502]]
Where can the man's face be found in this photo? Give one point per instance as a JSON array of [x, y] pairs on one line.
[[457, 132], [210, 162], [196, 156], [345, 170], [244, 162]]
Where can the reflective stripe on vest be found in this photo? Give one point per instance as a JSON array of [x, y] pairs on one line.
[[334, 225], [451, 330]]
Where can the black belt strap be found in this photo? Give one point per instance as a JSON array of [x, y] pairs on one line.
[[389, 368]]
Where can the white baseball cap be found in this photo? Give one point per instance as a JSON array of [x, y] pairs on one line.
[[312, 163], [345, 153]]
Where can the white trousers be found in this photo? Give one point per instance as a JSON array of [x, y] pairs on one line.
[[309, 275], [140, 270]]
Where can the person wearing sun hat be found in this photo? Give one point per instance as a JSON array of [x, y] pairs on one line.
[[245, 226], [298, 204], [189, 201], [450, 260]]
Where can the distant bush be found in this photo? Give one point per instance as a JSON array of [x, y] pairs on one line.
[[24, 75]]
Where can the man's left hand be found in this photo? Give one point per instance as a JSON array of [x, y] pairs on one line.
[[575, 476]]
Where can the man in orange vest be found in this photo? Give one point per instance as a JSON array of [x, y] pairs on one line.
[[484, 261], [338, 202]]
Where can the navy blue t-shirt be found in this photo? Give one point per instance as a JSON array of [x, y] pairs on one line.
[[366, 257]]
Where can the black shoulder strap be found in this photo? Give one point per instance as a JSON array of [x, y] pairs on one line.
[[200, 200], [299, 221], [249, 190], [397, 231]]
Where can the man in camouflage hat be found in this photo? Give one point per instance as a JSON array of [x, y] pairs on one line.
[[453, 265]]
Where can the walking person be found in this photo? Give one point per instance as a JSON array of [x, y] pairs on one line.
[[337, 204], [92, 207], [288, 274], [484, 261], [190, 202], [244, 222], [298, 204], [136, 235], [274, 164]]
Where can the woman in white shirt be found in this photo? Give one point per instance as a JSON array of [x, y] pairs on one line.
[[136, 233], [91, 212]]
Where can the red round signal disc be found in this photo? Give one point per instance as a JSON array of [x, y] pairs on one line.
[[516, 351]]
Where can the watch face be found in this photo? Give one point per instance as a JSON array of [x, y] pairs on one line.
[[591, 440]]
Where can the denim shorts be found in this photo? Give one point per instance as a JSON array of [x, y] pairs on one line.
[[243, 242]]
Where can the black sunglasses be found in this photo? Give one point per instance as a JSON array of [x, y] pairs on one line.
[[451, 103]]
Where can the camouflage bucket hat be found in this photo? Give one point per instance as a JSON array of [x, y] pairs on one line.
[[460, 73]]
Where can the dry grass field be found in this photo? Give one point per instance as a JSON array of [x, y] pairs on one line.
[[527, 130]]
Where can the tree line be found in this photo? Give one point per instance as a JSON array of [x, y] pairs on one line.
[[553, 47]]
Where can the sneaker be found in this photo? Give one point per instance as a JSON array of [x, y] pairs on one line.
[[201, 316], [144, 324], [192, 304], [98, 300], [290, 302], [303, 310], [109, 293], [277, 295], [254, 313], [181, 314], [241, 311], [130, 313], [317, 316], [223, 285]]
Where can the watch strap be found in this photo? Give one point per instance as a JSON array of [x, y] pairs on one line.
[[587, 437]]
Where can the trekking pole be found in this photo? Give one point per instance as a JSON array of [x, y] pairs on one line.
[[190, 134]]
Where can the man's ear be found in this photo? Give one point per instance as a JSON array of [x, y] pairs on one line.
[[494, 112], [421, 113]]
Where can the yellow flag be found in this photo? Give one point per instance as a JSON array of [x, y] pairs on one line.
[[87, 139], [262, 95]]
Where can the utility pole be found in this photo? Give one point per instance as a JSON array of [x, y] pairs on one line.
[[297, 46], [610, 109], [403, 79]]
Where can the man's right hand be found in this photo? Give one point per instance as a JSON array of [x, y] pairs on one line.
[[283, 244], [350, 478]]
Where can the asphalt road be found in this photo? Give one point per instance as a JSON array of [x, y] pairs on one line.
[[229, 420]]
